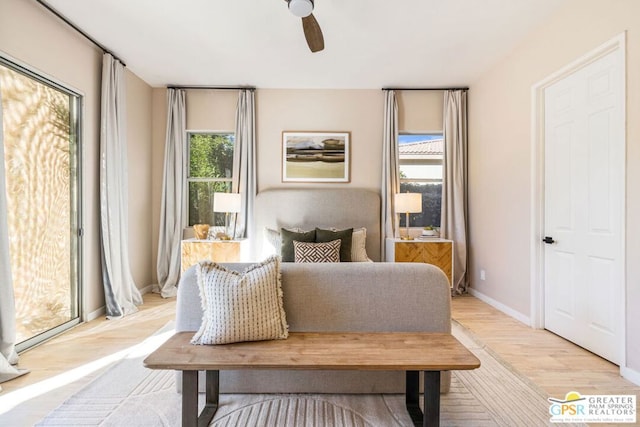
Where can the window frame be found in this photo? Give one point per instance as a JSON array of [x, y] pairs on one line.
[[77, 191], [428, 160], [188, 179]]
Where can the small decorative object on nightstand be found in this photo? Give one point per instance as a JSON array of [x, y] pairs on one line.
[[201, 231], [429, 232], [434, 250], [408, 203]]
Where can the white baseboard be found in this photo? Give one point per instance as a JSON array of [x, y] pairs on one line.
[[95, 314], [148, 288], [498, 305], [630, 375], [102, 310]]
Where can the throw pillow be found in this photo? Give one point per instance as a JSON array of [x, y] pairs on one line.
[[317, 252], [288, 236], [244, 306], [359, 245], [274, 239], [344, 235]]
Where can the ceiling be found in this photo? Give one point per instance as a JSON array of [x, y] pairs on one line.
[[368, 43]]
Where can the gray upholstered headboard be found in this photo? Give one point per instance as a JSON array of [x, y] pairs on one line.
[[318, 207]]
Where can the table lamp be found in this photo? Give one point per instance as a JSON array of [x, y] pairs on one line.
[[408, 203], [227, 203]]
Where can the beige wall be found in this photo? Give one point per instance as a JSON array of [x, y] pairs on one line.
[[139, 95], [211, 110], [356, 111], [420, 111], [500, 152], [59, 52]]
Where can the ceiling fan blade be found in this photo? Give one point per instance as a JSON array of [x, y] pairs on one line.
[[313, 33]]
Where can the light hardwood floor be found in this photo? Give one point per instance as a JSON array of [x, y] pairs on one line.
[[554, 364], [63, 365]]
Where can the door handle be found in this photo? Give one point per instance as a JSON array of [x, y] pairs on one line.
[[548, 240]]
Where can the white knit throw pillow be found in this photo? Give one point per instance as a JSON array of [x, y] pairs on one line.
[[243, 306]]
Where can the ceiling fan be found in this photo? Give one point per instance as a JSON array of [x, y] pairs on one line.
[[312, 31]]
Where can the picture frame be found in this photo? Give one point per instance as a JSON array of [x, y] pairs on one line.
[[316, 156]]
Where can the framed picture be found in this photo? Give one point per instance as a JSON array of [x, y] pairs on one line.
[[315, 156]]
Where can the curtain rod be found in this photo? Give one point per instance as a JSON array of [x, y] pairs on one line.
[[212, 87], [72, 25], [425, 88]]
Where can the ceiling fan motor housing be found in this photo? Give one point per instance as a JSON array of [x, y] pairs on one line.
[[301, 8]]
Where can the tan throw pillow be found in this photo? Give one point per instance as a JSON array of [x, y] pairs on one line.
[[359, 245], [317, 252], [243, 306], [274, 239]]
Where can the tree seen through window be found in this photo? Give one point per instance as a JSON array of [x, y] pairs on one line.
[[210, 171]]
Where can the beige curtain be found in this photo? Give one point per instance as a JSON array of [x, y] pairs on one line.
[[173, 207], [244, 161], [454, 183], [390, 168], [121, 294]]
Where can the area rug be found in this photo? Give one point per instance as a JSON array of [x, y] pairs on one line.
[[129, 394]]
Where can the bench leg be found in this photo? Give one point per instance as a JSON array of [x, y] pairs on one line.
[[212, 396], [431, 398], [412, 397], [189, 398], [431, 416], [190, 417]]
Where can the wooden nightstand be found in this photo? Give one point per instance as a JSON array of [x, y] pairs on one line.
[[435, 251], [193, 250]]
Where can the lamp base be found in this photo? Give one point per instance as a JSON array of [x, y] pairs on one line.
[[407, 236]]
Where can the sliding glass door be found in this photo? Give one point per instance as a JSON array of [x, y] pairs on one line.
[[41, 152]]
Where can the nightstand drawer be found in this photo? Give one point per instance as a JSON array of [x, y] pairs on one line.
[[438, 252], [193, 251]]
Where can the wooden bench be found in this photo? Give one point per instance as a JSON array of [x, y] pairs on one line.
[[409, 352]]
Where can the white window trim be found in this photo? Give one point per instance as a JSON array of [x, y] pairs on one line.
[[188, 179], [418, 160]]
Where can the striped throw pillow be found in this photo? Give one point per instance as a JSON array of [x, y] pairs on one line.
[[317, 252], [244, 306]]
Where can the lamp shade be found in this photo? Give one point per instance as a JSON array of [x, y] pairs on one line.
[[408, 202], [227, 202]]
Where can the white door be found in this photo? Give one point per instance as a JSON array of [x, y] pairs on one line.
[[584, 202]]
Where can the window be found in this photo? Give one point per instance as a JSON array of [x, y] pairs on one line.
[[420, 158], [210, 171], [41, 130]]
